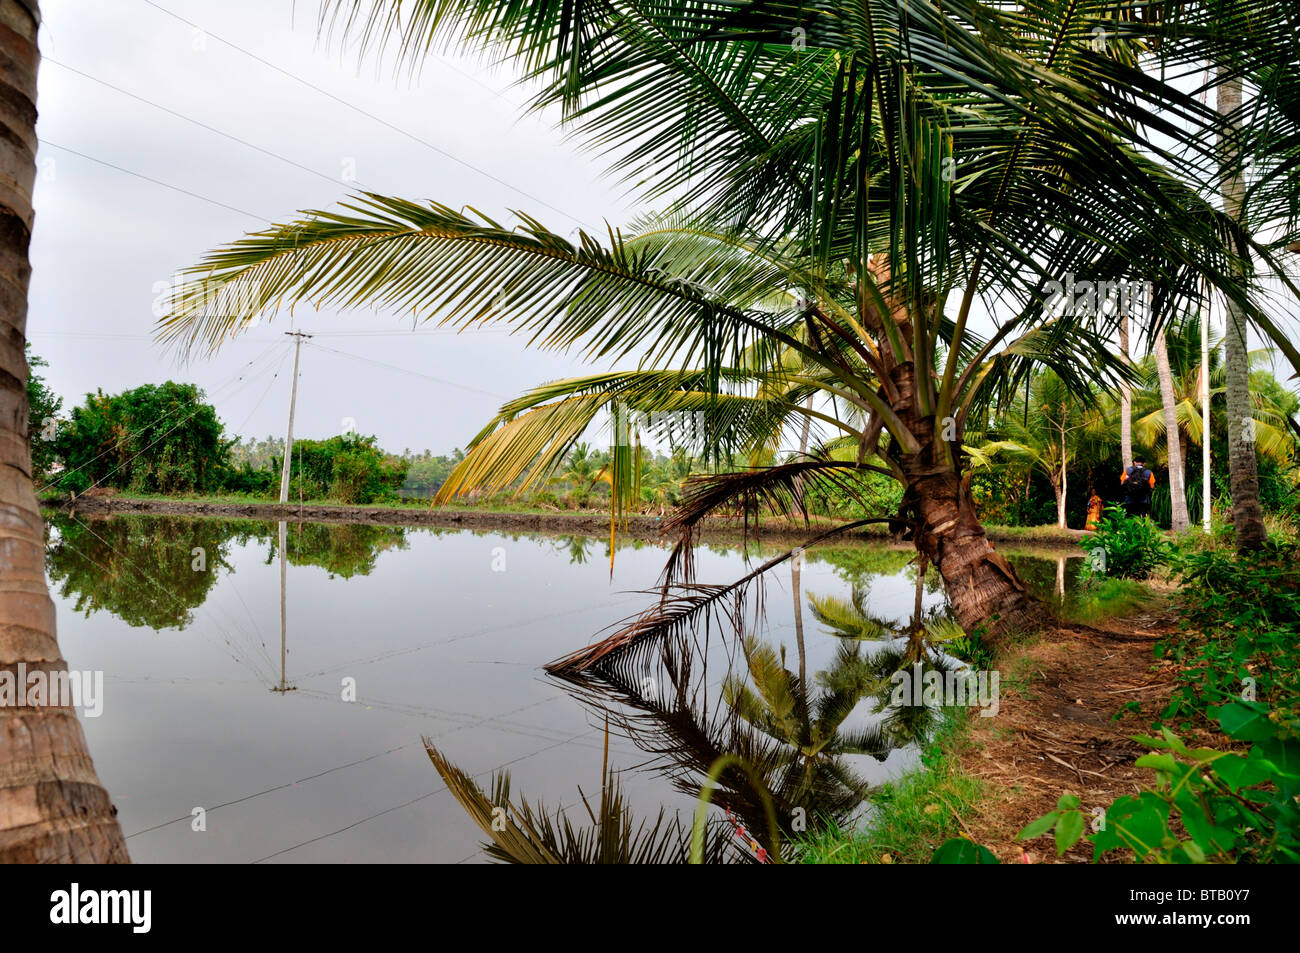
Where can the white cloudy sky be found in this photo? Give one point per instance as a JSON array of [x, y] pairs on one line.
[[105, 238]]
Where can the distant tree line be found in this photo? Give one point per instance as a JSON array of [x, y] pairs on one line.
[[1037, 462]]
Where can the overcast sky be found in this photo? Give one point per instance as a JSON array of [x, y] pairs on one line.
[[105, 239]]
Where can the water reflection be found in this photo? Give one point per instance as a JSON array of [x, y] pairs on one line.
[[442, 646]]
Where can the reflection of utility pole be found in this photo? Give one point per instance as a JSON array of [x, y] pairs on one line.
[[284, 640], [293, 399]]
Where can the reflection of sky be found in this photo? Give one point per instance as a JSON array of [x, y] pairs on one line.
[[439, 644]]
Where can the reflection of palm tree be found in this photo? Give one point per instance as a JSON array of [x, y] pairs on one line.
[[524, 834], [575, 547], [778, 703], [671, 715], [925, 632]]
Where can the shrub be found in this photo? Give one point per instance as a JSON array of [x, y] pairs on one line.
[[1240, 630], [1206, 805], [1130, 548]]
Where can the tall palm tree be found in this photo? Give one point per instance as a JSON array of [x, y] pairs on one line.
[[893, 166], [1179, 520], [1273, 440], [1125, 399], [52, 807], [1243, 468]]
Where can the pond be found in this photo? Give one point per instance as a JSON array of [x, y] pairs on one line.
[[222, 742]]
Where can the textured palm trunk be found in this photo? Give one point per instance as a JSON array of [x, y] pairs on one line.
[[937, 507], [52, 806], [1243, 469], [984, 590], [1179, 519], [1058, 491]]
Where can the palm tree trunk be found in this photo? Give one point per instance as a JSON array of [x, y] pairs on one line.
[[52, 806], [1061, 497], [982, 587], [1058, 491], [1243, 469], [1177, 475]]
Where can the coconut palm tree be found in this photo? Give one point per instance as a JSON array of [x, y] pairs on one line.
[[883, 165], [1243, 468], [53, 808], [1273, 439], [1179, 519]]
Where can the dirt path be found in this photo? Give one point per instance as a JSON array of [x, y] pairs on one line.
[[1054, 732]]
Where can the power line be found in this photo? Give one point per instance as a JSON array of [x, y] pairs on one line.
[[357, 109], [229, 382], [149, 178], [231, 620], [394, 367], [190, 119], [422, 797]]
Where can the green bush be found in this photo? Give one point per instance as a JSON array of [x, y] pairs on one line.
[[1126, 547], [347, 468], [1240, 631], [153, 439], [1206, 806]]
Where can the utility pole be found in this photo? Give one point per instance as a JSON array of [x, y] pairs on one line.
[[293, 399], [1206, 486]]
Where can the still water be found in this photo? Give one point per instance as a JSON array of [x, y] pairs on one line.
[[308, 749]]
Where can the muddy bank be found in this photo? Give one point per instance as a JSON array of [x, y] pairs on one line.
[[648, 528], [591, 523], [1062, 728]]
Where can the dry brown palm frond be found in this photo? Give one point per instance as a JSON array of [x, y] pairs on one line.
[[680, 610], [777, 490]]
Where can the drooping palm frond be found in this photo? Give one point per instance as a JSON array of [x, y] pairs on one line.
[[431, 261], [531, 434], [530, 834], [780, 490], [682, 608]]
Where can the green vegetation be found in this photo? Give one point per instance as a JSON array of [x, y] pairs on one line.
[[43, 406], [1240, 634], [911, 816], [1205, 805], [1126, 547], [156, 438], [1238, 656]]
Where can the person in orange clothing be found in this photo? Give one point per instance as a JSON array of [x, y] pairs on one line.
[[1137, 482], [1095, 507]]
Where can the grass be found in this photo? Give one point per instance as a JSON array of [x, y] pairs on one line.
[[1107, 598], [1019, 676], [912, 815]]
